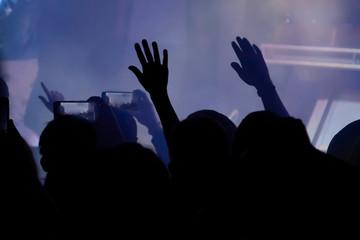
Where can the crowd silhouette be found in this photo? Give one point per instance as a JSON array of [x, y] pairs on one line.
[[206, 179]]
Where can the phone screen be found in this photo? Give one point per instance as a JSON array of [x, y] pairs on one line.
[[4, 113], [123, 100], [84, 109]]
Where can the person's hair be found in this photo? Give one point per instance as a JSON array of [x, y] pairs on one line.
[[197, 145], [345, 145], [65, 138]]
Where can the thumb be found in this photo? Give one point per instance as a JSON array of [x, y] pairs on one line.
[[136, 71], [238, 69]]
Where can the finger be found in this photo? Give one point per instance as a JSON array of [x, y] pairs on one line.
[[165, 58], [238, 51], [136, 71], [55, 96], [246, 46], [140, 54], [238, 69], [257, 50], [61, 97], [58, 96], [46, 90], [147, 51], [45, 102], [156, 52]]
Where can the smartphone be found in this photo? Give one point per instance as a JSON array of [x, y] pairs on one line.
[[123, 100], [4, 113], [83, 109]]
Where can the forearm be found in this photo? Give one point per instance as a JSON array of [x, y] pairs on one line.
[[165, 112], [272, 101]]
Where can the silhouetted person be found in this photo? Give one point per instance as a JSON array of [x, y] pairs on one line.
[[145, 115], [199, 165], [68, 148], [27, 209], [283, 179], [131, 199], [345, 144], [198, 147]]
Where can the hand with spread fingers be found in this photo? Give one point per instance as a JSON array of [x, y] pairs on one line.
[[154, 75], [253, 69], [154, 78], [52, 96]]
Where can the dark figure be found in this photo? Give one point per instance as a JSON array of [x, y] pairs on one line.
[[283, 179], [68, 148], [345, 144], [131, 195], [28, 211], [198, 147]]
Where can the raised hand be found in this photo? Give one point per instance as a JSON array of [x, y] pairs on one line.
[[52, 97], [154, 75], [154, 78], [253, 69]]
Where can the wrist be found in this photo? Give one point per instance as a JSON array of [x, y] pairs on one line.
[[264, 89], [158, 94]]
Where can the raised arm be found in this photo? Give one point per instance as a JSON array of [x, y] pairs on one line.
[[254, 72], [154, 79]]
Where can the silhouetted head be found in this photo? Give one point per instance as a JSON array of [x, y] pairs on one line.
[[223, 120], [133, 165], [263, 136], [198, 148], [127, 124], [345, 145], [131, 192], [65, 139]]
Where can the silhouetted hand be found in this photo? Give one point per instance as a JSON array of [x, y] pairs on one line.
[[52, 97], [145, 113], [253, 69], [154, 75]]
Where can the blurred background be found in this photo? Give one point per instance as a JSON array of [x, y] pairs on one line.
[[84, 47]]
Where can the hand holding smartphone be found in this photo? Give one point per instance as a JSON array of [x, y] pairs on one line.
[[83, 109], [123, 100]]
